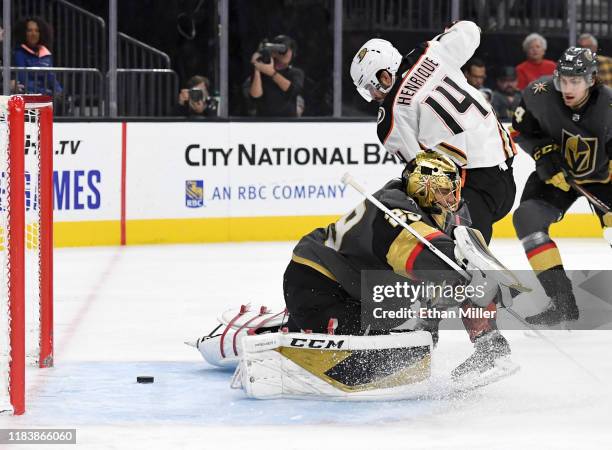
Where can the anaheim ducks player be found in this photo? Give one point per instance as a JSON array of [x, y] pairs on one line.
[[427, 103], [323, 279], [566, 126]]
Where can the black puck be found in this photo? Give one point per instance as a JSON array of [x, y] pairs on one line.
[[145, 379]]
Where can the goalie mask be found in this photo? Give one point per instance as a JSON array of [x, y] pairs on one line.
[[374, 56], [576, 62], [433, 181]]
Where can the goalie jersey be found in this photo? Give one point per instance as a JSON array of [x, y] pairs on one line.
[[432, 106], [585, 135], [367, 239]]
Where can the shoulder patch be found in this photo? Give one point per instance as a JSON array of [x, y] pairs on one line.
[[539, 87], [381, 115], [385, 119]]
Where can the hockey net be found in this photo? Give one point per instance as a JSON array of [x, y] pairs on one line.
[[26, 237]]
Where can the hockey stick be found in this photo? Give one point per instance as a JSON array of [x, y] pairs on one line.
[[596, 203], [590, 197], [348, 179]]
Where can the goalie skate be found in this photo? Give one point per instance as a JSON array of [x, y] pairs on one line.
[[489, 363]]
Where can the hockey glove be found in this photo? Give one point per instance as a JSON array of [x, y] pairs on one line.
[[549, 165], [558, 181], [548, 160], [607, 219]]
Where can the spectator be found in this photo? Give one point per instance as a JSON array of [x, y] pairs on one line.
[[195, 101], [34, 39], [536, 65], [275, 85], [604, 63], [475, 72], [506, 96]]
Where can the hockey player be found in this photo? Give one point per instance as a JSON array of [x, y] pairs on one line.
[[566, 126], [323, 279], [426, 103]]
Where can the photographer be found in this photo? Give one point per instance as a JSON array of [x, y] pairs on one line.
[[275, 85], [195, 101]]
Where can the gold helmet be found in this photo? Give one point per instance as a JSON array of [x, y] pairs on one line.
[[433, 181]]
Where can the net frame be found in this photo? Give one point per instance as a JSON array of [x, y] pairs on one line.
[[16, 108]]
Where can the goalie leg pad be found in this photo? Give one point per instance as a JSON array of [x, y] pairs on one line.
[[341, 367], [222, 347], [473, 253]]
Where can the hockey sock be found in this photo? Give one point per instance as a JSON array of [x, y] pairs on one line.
[[545, 259]]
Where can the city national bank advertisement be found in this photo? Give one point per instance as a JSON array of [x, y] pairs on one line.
[[171, 182]]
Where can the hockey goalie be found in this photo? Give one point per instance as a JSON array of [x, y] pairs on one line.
[[322, 345]]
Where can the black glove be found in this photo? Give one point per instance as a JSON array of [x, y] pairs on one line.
[[549, 161]]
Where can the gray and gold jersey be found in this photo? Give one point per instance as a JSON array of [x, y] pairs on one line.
[[584, 135]]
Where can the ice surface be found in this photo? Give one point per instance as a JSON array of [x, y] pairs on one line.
[[124, 312]]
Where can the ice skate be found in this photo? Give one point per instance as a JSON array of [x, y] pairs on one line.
[[490, 362], [560, 309]]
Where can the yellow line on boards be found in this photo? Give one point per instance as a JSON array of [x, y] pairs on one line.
[[239, 229]]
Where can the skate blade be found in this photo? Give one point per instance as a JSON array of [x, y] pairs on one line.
[[503, 368]]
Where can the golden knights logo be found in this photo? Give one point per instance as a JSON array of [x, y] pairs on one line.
[[580, 153], [362, 54]]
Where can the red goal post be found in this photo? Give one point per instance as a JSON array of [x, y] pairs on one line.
[[26, 242]]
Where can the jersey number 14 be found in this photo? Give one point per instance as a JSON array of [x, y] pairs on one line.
[[459, 107]]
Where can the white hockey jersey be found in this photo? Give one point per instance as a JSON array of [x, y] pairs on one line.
[[432, 106]]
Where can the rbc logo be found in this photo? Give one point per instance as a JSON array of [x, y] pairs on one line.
[[194, 193]]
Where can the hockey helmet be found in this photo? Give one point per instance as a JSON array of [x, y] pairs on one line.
[[374, 56], [576, 62], [433, 181]]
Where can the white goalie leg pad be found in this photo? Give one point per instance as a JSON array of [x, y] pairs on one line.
[[334, 367], [472, 252], [222, 347]]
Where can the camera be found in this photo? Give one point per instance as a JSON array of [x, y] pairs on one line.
[[266, 48], [196, 95]]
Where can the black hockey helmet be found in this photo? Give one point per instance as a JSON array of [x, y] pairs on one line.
[[576, 62]]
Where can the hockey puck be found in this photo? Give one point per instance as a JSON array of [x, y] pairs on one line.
[[145, 379]]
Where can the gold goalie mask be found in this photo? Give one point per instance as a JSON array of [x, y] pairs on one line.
[[433, 181]]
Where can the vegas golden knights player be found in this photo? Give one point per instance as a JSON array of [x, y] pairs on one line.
[[323, 279], [565, 124]]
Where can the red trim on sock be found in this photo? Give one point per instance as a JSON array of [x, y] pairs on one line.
[[540, 249]]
